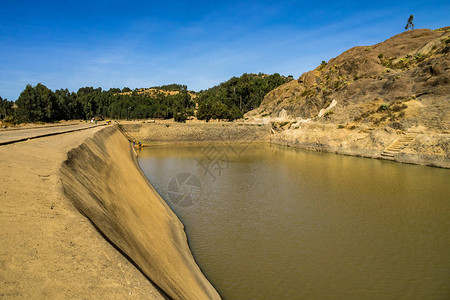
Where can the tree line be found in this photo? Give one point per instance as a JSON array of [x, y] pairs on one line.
[[39, 103], [233, 98], [227, 101]]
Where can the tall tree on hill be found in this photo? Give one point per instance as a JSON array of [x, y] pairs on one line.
[[37, 103], [409, 23]]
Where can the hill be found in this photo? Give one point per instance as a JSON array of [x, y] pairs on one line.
[[238, 95], [401, 82], [166, 90], [398, 86]]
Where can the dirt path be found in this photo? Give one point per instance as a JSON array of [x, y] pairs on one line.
[[13, 136], [48, 250]]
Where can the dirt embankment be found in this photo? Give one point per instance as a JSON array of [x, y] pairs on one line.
[[103, 180], [48, 250], [431, 149], [424, 148], [150, 133]]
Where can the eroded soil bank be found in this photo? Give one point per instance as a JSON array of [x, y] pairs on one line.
[[423, 147]]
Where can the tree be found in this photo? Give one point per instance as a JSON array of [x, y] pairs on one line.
[[227, 101], [114, 90], [69, 106], [37, 104], [409, 23], [6, 109], [237, 95]]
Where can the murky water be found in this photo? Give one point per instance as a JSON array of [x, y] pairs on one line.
[[269, 222]]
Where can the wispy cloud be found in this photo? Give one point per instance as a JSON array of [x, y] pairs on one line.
[[195, 43]]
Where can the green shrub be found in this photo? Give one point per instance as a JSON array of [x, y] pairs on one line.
[[419, 57], [340, 126], [180, 117], [322, 65], [402, 63], [328, 113], [11, 120], [308, 93], [383, 107]]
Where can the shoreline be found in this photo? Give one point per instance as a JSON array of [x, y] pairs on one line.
[[423, 148]]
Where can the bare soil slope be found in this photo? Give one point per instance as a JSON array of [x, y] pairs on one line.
[[103, 180], [390, 100], [403, 82], [48, 250]]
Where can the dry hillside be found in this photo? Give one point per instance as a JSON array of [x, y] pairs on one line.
[[152, 92], [402, 83]]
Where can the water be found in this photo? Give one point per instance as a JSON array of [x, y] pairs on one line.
[[271, 222]]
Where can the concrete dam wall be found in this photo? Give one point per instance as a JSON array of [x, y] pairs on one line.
[[102, 179]]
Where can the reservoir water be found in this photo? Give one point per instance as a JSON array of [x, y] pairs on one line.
[[270, 222]]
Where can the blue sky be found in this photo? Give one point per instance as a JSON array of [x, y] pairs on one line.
[[71, 44]]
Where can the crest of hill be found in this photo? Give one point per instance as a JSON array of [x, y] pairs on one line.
[[401, 82]]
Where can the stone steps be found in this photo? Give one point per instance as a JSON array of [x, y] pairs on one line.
[[398, 146]]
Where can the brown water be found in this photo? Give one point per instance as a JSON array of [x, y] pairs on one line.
[[270, 222]]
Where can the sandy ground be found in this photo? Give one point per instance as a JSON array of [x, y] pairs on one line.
[[8, 126], [9, 136], [48, 250]]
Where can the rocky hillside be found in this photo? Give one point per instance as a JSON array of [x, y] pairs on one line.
[[402, 83]]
